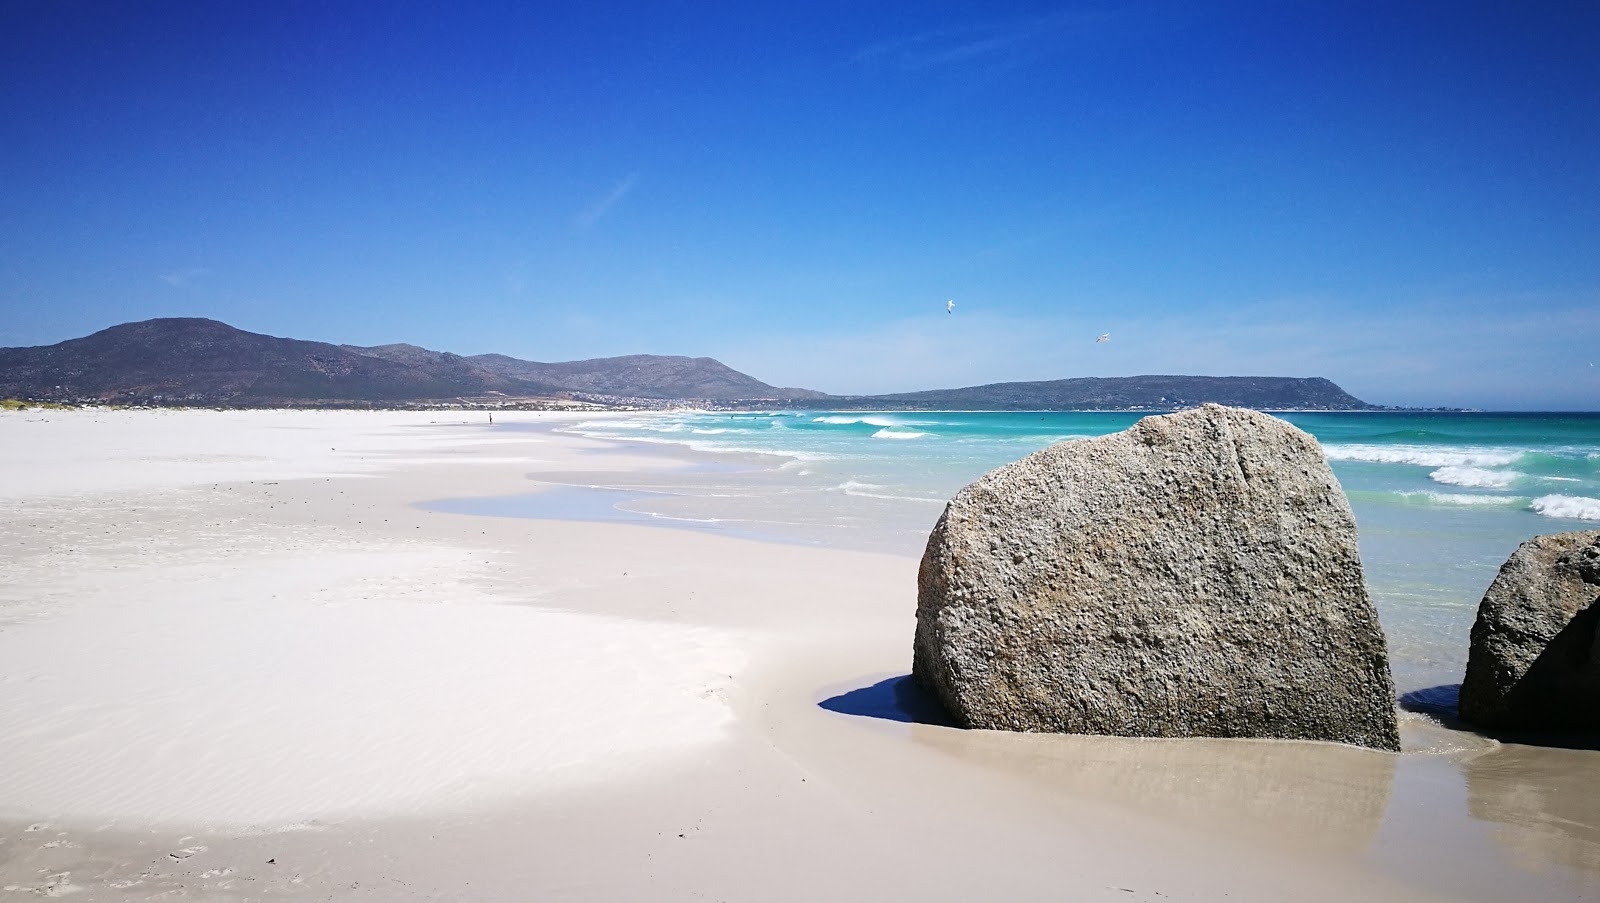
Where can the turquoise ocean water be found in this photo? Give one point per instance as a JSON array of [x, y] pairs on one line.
[[1441, 498]]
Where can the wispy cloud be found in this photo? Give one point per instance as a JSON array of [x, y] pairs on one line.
[[184, 277], [975, 41], [601, 207]]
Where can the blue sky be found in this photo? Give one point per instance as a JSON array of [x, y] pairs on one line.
[[1402, 197]]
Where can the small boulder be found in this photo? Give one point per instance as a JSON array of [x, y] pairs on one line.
[[1535, 657], [1194, 575]]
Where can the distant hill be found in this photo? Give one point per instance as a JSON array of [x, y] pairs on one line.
[[196, 361], [643, 376], [1139, 392], [191, 360], [455, 367], [203, 360]]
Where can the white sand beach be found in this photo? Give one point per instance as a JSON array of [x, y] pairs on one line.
[[238, 661]]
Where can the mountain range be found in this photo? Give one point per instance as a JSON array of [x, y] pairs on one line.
[[199, 361]]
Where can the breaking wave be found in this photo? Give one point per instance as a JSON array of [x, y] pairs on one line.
[[887, 433], [842, 419], [1576, 507], [1421, 455], [1459, 498], [1475, 477]]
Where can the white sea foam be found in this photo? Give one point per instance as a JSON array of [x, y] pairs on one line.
[[605, 428], [842, 419], [867, 419], [1576, 507], [887, 433], [1031, 439], [1475, 477], [719, 447], [1461, 498], [863, 490], [659, 516], [1422, 455], [745, 450]]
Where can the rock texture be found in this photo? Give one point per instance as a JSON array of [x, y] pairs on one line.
[[1194, 575], [1535, 657]]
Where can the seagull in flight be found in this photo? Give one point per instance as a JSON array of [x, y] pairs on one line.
[[950, 306], [1103, 338]]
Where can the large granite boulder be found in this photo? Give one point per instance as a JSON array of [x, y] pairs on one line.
[[1194, 575], [1535, 657]]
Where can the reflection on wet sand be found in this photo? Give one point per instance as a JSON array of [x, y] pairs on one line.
[[1483, 819], [1537, 794], [1332, 796], [1545, 803]]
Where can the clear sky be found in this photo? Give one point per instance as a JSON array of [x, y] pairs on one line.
[[1403, 197]]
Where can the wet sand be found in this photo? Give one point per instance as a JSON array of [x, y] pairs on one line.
[[240, 659]]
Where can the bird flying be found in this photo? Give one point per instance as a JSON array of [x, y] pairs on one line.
[[1103, 338], [950, 306]]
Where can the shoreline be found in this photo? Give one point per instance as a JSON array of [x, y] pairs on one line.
[[768, 796]]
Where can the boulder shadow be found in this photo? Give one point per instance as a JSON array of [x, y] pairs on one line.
[[893, 699], [1442, 703]]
